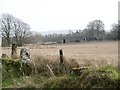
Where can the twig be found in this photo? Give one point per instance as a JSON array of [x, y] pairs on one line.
[[50, 70]]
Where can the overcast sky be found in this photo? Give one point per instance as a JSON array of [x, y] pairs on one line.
[[45, 15]]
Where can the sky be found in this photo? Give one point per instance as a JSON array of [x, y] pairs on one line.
[[55, 15]]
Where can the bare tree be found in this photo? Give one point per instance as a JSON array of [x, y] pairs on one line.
[[13, 28], [6, 27], [96, 28], [21, 32], [114, 31]]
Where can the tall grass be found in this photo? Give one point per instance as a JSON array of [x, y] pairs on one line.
[[97, 57], [40, 77]]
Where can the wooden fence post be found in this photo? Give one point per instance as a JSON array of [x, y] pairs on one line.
[[61, 64], [14, 51], [61, 56]]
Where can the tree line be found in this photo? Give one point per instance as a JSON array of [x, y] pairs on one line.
[[14, 30], [93, 31]]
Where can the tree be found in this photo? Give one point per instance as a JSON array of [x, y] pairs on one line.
[[14, 30], [35, 37], [21, 32], [96, 28], [6, 27], [114, 31]]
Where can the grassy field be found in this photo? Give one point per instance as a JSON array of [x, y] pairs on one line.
[[90, 53], [102, 55]]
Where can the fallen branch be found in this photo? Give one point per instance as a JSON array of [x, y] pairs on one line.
[[50, 70]]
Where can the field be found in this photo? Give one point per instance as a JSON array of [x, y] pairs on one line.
[[86, 54], [100, 58]]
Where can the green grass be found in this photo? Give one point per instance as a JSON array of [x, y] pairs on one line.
[[104, 77]]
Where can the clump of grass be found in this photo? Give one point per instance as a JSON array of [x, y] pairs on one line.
[[60, 82], [40, 64], [10, 66], [23, 82], [104, 77]]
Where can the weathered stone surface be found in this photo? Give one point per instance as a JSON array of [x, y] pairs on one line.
[[25, 56], [4, 55]]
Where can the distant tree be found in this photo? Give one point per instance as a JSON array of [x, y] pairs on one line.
[[78, 32], [96, 28], [13, 29], [70, 32], [114, 31], [21, 32], [35, 37], [6, 27]]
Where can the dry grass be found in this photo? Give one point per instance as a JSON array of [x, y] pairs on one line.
[[85, 54]]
